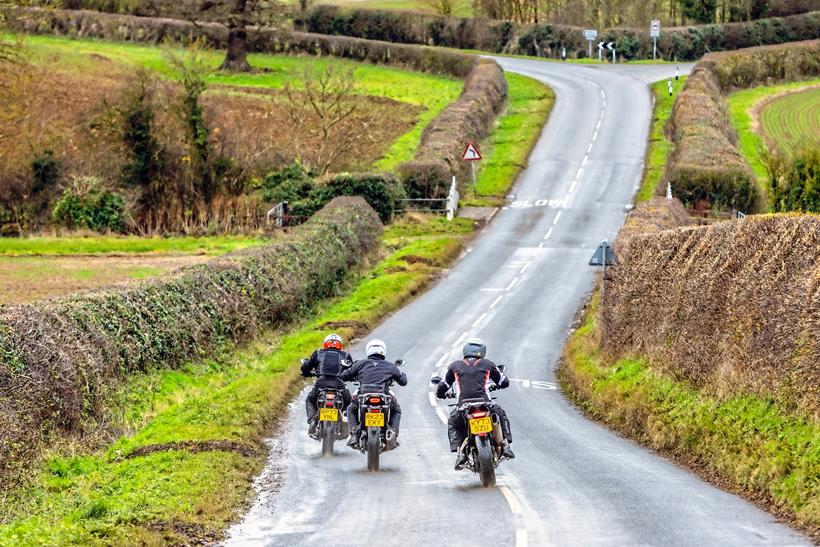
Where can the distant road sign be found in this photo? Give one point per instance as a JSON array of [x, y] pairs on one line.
[[601, 45], [655, 29], [591, 34], [470, 152], [604, 255]]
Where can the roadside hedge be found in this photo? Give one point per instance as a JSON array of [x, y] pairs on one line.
[[733, 307], [706, 166], [676, 43], [58, 357]]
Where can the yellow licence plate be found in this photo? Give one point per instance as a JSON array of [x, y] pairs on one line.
[[374, 419], [328, 415], [481, 425]]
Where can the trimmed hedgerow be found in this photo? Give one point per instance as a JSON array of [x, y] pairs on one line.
[[57, 357], [471, 117], [706, 166]]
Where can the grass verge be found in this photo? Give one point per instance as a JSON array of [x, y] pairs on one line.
[[192, 438], [660, 147], [505, 151], [742, 105], [742, 442]]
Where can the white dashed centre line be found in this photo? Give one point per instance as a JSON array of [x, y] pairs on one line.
[[549, 233], [496, 301], [555, 220], [512, 284], [480, 317]]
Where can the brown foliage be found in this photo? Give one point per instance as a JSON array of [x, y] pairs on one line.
[[58, 357], [733, 307]]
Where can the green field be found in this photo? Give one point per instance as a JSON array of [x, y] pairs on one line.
[[429, 91], [741, 112], [793, 121], [78, 245], [660, 146]]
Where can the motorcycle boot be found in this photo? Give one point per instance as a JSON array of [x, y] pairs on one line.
[[461, 460], [353, 440], [392, 438], [314, 424], [506, 451]]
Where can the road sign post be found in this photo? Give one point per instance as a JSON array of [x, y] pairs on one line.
[[611, 47], [590, 35], [600, 50], [604, 256], [655, 32], [472, 155]]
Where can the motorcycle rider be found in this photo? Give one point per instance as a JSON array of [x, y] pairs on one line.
[[471, 377], [327, 364], [374, 370]]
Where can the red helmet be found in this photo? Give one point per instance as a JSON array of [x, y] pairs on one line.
[[333, 341]]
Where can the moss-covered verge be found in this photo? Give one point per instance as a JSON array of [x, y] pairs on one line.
[[746, 444], [193, 443]]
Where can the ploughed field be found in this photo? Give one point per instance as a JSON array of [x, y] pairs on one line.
[[793, 120], [35, 268], [72, 89]]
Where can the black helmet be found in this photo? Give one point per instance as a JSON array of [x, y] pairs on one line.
[[474, 347]]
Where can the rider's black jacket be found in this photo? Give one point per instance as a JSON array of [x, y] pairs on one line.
[[327, 363], [374, 371], [471, 379]]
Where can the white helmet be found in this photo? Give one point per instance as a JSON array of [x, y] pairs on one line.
[[376, 347]]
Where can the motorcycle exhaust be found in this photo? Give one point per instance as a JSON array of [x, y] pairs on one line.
[[498, 437]]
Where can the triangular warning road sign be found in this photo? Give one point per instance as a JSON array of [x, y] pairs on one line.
[[470, 152]]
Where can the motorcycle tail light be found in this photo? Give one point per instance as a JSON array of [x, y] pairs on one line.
[[478, 414], [375, 400], [329, 404], [375, 410]]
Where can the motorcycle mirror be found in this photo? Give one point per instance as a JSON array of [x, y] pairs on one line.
[[399, 362], [435, 380], [502, 368]]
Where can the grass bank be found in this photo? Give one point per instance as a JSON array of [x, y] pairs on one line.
[[659, 148], [742, 442], [742, 107], [188, 442], [505, 151]]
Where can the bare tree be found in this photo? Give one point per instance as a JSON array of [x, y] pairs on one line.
[[323, 114], [442, 7]]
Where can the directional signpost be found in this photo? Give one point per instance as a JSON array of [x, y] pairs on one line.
[[600, 49], [655, 32], [590, 35], [611, 47]]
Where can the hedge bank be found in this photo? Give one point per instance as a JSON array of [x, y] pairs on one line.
[[732, 308], [58, 357], [706, 167], [547, 40]]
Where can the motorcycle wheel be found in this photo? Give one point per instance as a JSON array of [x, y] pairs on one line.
[[486, 466], [327, 438], [373, 443]]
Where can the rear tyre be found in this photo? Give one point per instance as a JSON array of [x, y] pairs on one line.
[[373, 442], [486, 467], [327, 438]]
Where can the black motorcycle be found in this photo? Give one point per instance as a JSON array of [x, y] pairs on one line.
[[375, 435], [484, 436], [330, 423]]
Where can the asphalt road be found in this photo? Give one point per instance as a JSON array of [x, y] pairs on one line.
[[519, 286]]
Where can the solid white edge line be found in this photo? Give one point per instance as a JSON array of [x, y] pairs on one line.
[[521, 539], [512, 501], [496, 301], [555, 220], [432, 397]]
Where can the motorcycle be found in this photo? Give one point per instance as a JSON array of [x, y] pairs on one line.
[[331, 422], [375, 436], [484, 440]]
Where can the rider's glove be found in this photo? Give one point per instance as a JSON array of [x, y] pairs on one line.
[[441, 390]]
